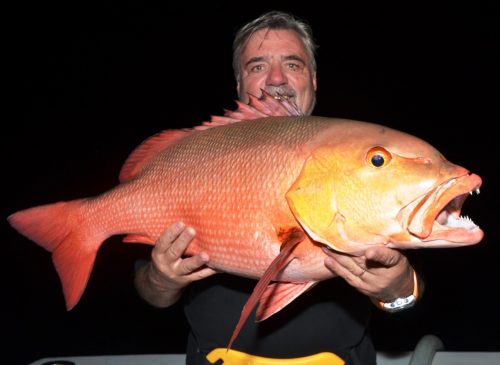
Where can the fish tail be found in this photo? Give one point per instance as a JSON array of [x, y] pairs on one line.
[[61, 228]]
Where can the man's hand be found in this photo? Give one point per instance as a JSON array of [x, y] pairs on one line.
[[382, 273], [161, 281]]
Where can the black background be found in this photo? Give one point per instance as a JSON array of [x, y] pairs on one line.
[[92, 81]]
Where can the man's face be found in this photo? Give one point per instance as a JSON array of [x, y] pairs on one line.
[[277, 61]]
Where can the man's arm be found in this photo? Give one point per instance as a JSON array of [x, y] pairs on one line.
[[160, 282], [381, 273]]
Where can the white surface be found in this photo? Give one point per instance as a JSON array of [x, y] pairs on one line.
[[442, 358], [177, 359], [383, 358]]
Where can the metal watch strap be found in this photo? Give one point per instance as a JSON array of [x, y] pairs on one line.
[[400, 304]]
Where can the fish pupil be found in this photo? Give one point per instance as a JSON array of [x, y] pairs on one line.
[[378, 160]]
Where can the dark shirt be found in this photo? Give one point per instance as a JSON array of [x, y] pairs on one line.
[[331, 316]]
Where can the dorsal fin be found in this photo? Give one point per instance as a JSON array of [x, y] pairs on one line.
[[147, 150], [265, 106]]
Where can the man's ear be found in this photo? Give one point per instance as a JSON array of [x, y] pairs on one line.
[[315, 81]]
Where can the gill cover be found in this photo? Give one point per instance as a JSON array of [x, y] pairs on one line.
[[312, 199]]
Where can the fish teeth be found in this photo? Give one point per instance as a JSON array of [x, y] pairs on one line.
[[460, 222], [477, 191]]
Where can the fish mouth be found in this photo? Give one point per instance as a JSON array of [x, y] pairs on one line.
[[436, 216]]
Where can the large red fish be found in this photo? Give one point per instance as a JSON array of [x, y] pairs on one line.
[[272, 188]]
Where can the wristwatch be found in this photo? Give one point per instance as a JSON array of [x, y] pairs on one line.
[[402, 303]]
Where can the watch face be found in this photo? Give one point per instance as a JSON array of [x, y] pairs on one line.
[[400, 304]]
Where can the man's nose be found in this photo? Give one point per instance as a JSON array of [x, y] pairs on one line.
[[276, 76]]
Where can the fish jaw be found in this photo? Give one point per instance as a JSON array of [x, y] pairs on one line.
[[434, 220]]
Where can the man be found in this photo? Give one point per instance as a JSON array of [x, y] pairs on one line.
[[275, 53]]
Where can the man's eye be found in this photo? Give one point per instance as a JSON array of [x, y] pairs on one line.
[[293, 66], [257, 68]]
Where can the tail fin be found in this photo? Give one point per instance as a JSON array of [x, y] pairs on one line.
[[61, 229]]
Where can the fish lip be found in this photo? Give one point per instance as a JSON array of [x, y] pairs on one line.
[[429, 216]]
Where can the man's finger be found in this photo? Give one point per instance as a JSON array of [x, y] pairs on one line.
[[193, 263], [180, 244], [165, 240], [201, 274], [383, 255], [344, 272]]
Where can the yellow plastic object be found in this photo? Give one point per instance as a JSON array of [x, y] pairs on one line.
[[233, 357]]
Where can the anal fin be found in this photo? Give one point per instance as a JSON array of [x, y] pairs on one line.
[[290, 239], [137, 238], [278, 295]]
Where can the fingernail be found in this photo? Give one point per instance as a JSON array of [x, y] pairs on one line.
[[328, 249]]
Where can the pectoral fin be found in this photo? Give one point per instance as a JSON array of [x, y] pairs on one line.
[[290, 239]]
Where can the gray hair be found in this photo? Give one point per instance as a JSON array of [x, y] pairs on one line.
[[273, 20]]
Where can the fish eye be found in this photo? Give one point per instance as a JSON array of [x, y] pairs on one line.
[[378, 156]]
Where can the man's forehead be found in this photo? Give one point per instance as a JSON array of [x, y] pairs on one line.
[[274, 40]]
